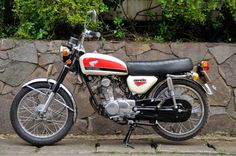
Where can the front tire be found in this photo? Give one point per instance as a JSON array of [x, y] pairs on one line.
[[196, 96], [35, 128]]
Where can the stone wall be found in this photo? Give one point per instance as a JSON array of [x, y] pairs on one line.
[[22, 60]]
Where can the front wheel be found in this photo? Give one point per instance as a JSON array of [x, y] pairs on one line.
[[34, 127], [195, 95]]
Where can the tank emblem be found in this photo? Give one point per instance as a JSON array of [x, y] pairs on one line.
[[92, 63], [140, 82]]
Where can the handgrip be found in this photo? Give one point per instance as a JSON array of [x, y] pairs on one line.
[[95, 34]]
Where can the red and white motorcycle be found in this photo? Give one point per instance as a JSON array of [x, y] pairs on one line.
[[164, 94]]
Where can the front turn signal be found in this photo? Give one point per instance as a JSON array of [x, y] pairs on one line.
[[68, 62], [205, 65]]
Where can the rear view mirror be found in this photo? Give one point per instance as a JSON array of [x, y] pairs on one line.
[[93, 14]]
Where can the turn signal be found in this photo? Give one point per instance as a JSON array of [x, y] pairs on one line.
[[64, 52], [68, 62], [195, 76], [205, 65]]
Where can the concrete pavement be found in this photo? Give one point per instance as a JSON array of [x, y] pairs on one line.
[[112, 145]]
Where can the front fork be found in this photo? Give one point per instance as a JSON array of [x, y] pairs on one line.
[[55, 88]]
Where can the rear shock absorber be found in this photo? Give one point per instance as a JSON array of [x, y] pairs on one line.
[[171, 90]]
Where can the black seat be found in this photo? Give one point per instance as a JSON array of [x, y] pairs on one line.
[[158, 68]]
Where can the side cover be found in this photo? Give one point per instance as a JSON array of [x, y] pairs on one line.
[[140, 84], [100, 64]]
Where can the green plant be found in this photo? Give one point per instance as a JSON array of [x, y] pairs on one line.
[[119, 33], [1, 15], [190, 10], [39, 18], [159, 38], [232, 7], [8, 31]]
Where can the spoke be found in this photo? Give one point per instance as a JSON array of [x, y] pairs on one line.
[[180, 130], [34, 126], [30, 117], [48, 129], [27, 108], [183, 127], [194, 109], [58, 123], [181, 91], [191, 123], [26, 119], [56, 126], [44, 129], [58, 114], [31, 100], [194, 121]]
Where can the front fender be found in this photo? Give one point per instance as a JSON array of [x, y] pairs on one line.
[[61, 86]]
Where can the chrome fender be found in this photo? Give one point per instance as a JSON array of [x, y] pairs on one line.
[[204, 88], [27, 84]]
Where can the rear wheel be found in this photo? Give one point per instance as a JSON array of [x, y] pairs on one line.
[[196, 96], [41, 129]]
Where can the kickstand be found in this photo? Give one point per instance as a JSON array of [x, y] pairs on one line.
[[127, 137]]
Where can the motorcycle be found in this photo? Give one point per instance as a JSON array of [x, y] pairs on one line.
[[163, 94]]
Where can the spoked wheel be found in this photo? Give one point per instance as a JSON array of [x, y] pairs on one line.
[[37, 128], [191, 92]]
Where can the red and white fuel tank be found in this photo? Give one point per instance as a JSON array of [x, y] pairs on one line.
[[101, 64]]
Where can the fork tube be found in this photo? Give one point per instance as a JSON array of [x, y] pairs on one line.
[[60, 79]]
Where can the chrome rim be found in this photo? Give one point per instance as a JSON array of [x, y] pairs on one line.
[[187, 127], [41, 125]]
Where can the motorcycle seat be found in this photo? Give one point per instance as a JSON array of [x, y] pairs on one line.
[[159, 67]]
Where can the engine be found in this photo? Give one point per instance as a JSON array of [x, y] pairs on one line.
[[117, 107]]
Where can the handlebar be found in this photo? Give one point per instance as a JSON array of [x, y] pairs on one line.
[[87, 33], [94, 34]]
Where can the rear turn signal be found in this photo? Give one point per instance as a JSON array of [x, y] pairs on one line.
[[205, 65], [195, 76]]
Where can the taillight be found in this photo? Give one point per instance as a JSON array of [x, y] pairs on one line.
[[205, 65]]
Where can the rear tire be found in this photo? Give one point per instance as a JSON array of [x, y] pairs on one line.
[[23, 114], [170, 130]]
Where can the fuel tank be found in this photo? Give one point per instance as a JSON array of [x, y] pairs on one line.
[[101, 64]]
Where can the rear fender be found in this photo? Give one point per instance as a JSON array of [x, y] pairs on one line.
[[61, 86], [164, 81]]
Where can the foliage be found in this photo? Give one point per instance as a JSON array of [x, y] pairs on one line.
[[190, 10], [38, 18], [1, 15], [193, 19], [7, 20], [119, 24], [180, 20], [113, 4], [232, 7]]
